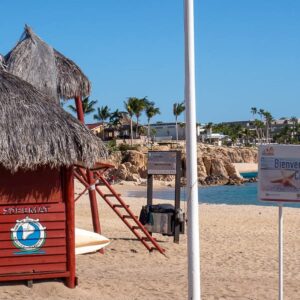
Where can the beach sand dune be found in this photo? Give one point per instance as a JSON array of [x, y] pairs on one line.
[[238, 258]]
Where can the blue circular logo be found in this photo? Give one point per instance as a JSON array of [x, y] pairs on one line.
[[28, 235]]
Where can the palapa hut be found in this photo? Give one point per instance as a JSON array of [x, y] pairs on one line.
[[59, 77], [39, 144], [55, 75], [45, 68]]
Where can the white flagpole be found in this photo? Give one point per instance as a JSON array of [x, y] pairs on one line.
[[191, 155], [280, 254]]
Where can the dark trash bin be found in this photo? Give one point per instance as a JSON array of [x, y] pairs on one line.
[[160, 218]]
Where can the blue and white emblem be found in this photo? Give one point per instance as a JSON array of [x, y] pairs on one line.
[[28, 235]]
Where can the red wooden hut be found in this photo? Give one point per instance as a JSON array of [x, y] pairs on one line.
[[39, 144]]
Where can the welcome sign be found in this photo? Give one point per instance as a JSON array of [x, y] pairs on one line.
[[279, 173]]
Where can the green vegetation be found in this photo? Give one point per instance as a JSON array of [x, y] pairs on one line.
[[150, 111], [134, 107], [233, 131], [178, 109], [88, 106], [103, 113], [288, 134], [125, 147], [112, 146], [263, 129], [262, 126], [129, 109]]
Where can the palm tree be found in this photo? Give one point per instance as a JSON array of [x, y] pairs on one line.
[[129, 109], [150, 111], [246, 134], [237, 133], [253, 111], [87, 106], [261, 113], [115, 118], [283, 136], [268, 119], [103, 113], [258, 127], [178, 109], [138, 106], [294, 120], [208, 128]]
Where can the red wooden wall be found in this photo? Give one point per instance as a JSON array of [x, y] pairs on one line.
[[34, 236]]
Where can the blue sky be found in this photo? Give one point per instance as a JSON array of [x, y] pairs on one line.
[[247, 51]]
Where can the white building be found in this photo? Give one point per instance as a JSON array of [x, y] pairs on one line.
[[167, 131], [215, 138]]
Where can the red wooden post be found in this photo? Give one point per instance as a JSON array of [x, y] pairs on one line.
[[79, 109], [94, 205], [70, 220], [92, 192]]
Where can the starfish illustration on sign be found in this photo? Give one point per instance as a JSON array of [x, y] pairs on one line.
[[285, 180]]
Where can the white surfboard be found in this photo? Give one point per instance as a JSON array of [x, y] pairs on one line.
[[88, 241]]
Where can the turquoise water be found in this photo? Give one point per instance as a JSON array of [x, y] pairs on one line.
[[249, 174], [245, 194]]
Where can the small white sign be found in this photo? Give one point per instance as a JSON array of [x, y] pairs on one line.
[[279, 173], [162, 162]]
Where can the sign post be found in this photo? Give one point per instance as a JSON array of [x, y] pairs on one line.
[[279, 181], [280, 242], [165, 163]]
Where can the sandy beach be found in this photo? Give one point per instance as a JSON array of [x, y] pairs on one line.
[[238, 258], [246, 167]]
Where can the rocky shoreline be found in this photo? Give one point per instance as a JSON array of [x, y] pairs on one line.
[[215, 165]]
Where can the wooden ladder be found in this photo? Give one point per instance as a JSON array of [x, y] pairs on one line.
[[123, 211]]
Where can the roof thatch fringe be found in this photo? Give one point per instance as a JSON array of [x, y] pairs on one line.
[[34, 132], [46, 69], [71, 81], [2, 62]]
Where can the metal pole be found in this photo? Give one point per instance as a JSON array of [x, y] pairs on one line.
[[280, 241], [191, 155], [150, 189]]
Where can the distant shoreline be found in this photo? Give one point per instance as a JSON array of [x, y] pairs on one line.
[[246, 167]]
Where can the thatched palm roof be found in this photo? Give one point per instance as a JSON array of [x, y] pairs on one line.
[[2, 61], [34, 132], [46, 69]]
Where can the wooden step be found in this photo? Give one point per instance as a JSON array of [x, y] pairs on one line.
[[136, 227], [144, 238], [155, 249], [120, 205], [111, 195], [128, 217]]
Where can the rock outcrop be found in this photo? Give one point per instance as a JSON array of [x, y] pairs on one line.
[[215, 164]]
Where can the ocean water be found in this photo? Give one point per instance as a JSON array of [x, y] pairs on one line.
[[245, 194], [249, 174]]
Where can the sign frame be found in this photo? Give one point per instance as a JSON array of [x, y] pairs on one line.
[[279, 173], [162, 162]]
